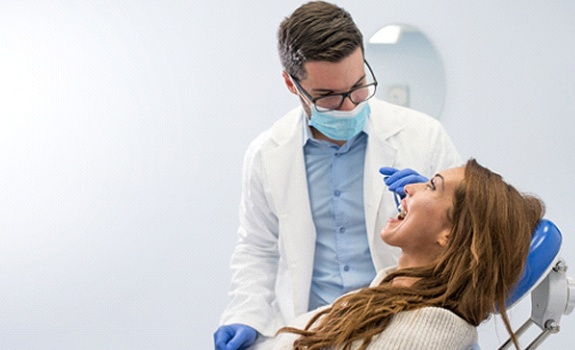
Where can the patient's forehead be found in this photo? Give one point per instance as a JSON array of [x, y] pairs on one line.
[[456, 171], [453, 176]]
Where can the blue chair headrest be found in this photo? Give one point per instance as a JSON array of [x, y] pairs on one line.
[[543, 254]]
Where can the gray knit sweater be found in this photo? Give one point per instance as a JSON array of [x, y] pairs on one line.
[[426, 328]]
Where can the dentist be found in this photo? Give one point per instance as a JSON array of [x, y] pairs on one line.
[[313, 201]]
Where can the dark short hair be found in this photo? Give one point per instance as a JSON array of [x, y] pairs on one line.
[[316, 31]]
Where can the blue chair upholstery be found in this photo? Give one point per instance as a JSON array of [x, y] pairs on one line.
[[545, 279], [543, 255]]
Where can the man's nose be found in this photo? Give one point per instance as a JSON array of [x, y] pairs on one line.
[[347, 105]]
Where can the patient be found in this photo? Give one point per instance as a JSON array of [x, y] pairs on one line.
[[464, 237]]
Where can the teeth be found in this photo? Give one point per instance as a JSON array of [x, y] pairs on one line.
[[402, 212]]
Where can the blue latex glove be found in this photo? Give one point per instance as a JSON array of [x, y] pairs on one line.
[[234, 337], [397, 179]]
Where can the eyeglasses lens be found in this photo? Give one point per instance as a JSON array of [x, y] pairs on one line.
[[332, 102]]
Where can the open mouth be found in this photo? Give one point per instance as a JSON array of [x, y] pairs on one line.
[[402, 212]]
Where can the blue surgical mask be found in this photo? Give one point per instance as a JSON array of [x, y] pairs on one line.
[[340, 125]]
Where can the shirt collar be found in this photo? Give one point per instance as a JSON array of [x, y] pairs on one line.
[[306, 135]]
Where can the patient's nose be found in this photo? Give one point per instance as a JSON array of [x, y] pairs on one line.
[[412, 188], [408, 190]]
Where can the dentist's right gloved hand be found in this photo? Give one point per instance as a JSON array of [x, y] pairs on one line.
[[397, 179], [234, 337]]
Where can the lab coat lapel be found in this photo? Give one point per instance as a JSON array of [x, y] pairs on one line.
[[286, 170], [379, 153]]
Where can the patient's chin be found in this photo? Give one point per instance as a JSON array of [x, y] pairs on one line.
[[390, 229]]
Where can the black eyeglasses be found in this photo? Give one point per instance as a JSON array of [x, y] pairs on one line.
[[334, 101]]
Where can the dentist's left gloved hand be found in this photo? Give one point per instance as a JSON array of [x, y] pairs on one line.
[[397, 179], [234, 337]]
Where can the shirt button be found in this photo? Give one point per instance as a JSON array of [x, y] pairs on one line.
[[346, 268], [341, 229], [337, 193]]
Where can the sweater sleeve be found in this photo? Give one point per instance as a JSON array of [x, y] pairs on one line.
[[427, 328]]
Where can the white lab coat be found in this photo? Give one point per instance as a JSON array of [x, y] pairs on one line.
[[273, 261]]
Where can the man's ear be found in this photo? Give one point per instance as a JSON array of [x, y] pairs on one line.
[[289, 83]]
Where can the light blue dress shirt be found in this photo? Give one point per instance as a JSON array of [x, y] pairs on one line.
[[342, 260]]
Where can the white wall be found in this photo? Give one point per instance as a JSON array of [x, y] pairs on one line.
[[414, 63], [123, 125]]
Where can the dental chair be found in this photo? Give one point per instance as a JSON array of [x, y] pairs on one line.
[[552, 291]]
